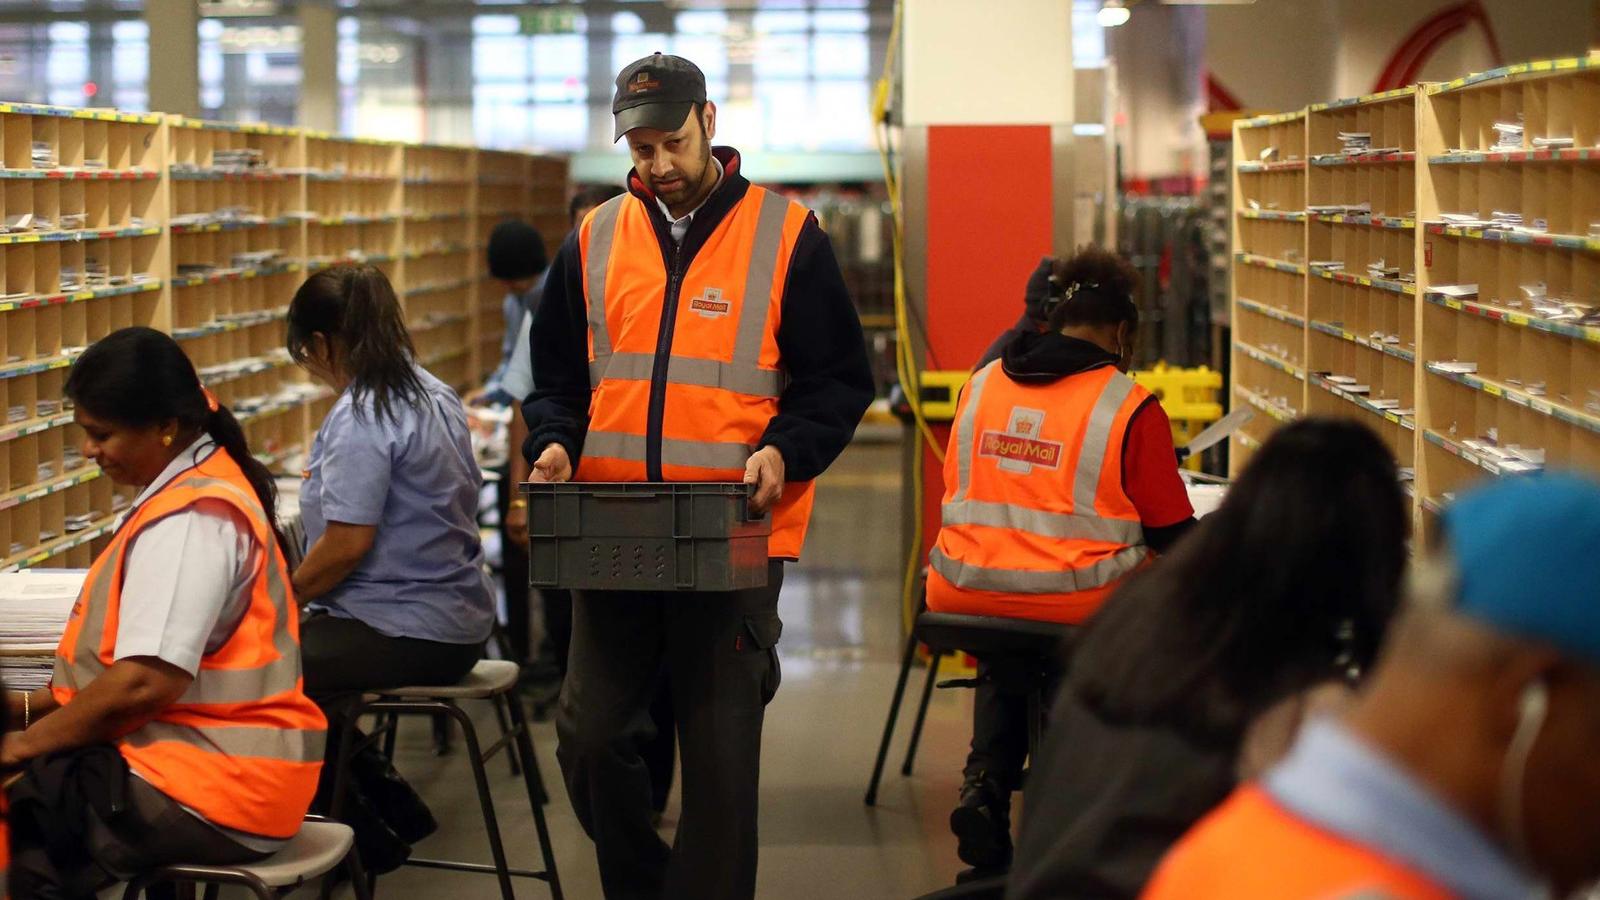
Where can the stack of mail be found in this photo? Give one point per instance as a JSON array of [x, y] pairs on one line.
[[1464, 220], [1458, 291], [1505, 219], [1553, 143], [1337, 209], [238, 160], [1381, 269], [36, 606], [255, 258], [1355, 143], [1508, 136]]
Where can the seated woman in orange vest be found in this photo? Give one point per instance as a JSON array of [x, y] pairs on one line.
[[175, 727], [1060, 480], [1203, 667]]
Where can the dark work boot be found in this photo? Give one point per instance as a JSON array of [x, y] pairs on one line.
[[982, 823]]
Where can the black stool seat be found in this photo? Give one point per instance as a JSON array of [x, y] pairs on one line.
[[1021, 656], [987, 635]]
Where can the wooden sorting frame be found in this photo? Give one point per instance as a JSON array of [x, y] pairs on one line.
[[205, 230], [1407, 334]]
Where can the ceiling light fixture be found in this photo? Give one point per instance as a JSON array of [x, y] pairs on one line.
[[1112, 13]]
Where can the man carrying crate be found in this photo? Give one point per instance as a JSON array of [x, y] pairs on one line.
[[696, 328]]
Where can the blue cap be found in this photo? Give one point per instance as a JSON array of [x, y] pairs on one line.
[[1527, 550]]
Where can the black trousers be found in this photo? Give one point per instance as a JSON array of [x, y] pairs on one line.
[[342, 656], [1000, 727], [719, 653], [557, 605], [152, 830]]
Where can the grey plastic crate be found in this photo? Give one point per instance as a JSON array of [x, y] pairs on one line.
[[645, 536]]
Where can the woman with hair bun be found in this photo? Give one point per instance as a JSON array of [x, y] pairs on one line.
[[175, 727]]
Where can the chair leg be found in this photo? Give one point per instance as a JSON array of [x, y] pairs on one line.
[[362, 884], [485, 799], [501, 704], [391, 721], [922, 711], [906, 659], [341, 770], [537, 797]]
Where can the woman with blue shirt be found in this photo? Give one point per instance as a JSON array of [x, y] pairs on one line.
[[394, 571], [393, 580]]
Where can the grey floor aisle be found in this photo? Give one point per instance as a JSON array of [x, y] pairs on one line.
[[840, 653]]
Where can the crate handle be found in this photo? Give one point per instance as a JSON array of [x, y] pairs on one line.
[[622, 495], [749, 516]]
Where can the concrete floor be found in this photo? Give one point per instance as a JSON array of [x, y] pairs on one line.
[[840, 654]]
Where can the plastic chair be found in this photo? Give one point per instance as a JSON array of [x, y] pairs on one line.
[[491, 680], [316, 850]]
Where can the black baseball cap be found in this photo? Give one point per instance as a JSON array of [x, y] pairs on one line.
[[657, 92]]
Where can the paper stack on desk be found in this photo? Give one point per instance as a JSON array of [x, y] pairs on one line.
[[36, 607]]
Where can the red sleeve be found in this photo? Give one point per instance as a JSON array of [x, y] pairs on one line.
[[1150, 469]]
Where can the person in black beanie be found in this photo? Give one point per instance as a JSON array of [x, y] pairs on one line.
[[517, 259], [1034, 296]]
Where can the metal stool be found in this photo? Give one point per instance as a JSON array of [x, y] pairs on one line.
[[490, 679], [1017, 645], [313, 852]]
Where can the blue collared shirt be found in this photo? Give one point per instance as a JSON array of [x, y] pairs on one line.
[[1335, 781], [413, 476]]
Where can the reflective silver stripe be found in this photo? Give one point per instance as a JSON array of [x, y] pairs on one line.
[[277, 676], [700, 454], [698, 372], [602, 231], [1043, 523], [210, 685], [258, 742], [85, 664], [743, 374], [1028, 581], [965, 442], [1096, 438], [760, 280]]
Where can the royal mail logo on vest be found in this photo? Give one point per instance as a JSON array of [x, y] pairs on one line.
[[1019, 447], [710, 304]]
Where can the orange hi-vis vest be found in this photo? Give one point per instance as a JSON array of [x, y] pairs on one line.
[[688, 399], [1036, 523], [243, 745], [1251, 848]]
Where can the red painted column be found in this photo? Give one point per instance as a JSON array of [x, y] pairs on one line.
[[986, 180]]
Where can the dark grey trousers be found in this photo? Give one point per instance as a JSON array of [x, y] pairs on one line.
[[718, 651], [153, 831]]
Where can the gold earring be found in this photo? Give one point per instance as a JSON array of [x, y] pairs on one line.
[[166, 440]]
